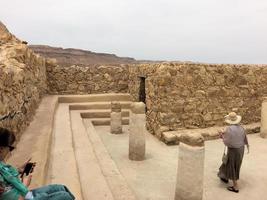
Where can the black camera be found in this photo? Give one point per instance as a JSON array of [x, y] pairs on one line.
[[28, 169]]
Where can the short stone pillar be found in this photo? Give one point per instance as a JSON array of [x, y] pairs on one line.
[[115, 118], [263, 132], [137, 141], [190, 171]]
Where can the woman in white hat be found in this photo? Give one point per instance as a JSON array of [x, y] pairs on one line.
[[234, 138]]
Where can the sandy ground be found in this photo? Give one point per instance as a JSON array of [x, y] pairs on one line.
[[155, 177]]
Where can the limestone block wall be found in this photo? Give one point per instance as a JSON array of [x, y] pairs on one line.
[[22, 82], [185, 95], [87, 79]]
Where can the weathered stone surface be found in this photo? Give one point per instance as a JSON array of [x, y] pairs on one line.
[[263, 131], [160, 130], [22, 82], [169, 137], [5, 35], [137, 141], [190, 173], [178, 95], [192, 139], [138, 108], [115, 123], [115, 106], [195, 95], [115, 118], [86, 79]]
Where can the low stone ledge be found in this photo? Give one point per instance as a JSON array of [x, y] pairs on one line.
[[170, 138], [35, 142], [174, 137]]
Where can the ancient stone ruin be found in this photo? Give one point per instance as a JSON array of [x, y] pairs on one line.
[[60, 111]]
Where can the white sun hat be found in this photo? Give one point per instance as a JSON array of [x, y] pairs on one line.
[[232, 118]]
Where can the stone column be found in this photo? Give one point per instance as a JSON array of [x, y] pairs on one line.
[[115, 118], [190, 172], [137, 142], [263, 133]]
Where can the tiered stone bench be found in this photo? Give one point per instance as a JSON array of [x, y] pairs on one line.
[[35, 142], [69, 151]]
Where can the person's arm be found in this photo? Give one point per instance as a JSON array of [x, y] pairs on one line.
[[18, 185], [15, 182], [27, 180]]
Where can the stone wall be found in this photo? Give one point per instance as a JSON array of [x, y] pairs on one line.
[[22, 82], [87, 79], [178, 95], [185, 95]]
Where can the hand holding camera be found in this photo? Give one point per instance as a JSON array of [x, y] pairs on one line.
[[28, 169]]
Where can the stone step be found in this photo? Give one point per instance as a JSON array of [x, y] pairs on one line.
[[93, 182], [211, 133], [94, 98], [102, 113], [63, 167], [97, 105], [35, 141], [106, 121], [116, 182]]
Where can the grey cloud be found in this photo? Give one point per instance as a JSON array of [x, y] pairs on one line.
[[228, 31]]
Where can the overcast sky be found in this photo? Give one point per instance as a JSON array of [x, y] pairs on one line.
[[214, 31]]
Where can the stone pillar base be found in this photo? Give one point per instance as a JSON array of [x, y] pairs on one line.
[[190, 172], [115, 123], [137, 142], [115, 118]]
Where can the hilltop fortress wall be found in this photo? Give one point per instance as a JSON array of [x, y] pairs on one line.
[[86, 79], [178, 95], [186, 95]]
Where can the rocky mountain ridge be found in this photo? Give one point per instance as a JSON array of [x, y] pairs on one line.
[[71, 56]]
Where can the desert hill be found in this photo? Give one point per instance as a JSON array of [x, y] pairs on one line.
[[70, 56]]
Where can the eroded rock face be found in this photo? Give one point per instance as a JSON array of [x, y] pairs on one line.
[[22, 82], [5, 35]]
